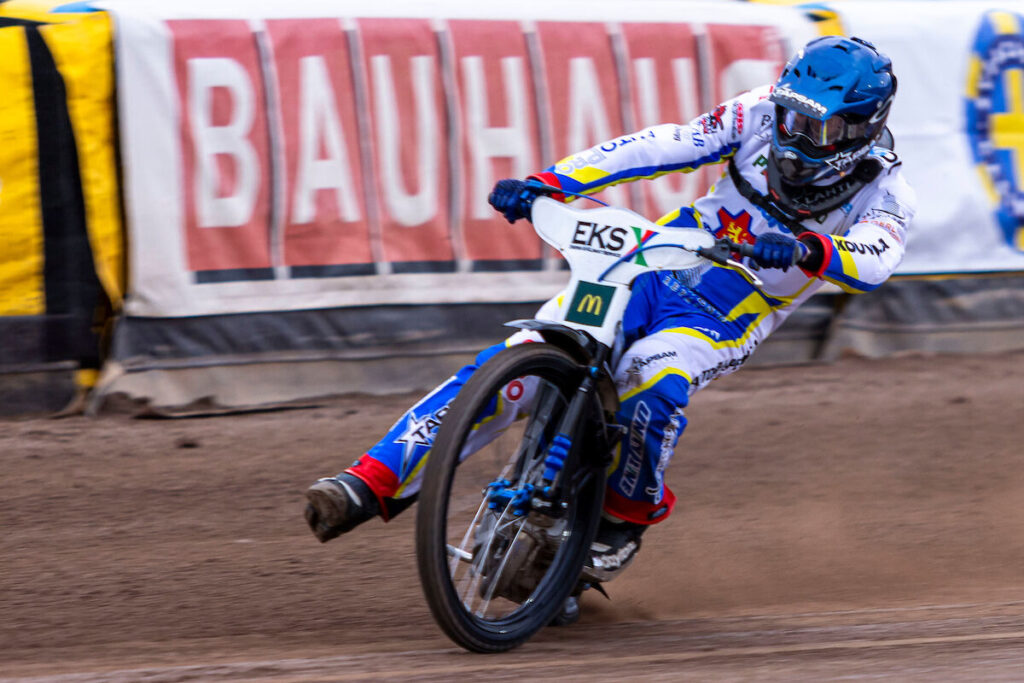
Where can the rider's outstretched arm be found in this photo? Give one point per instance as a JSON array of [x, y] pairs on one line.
[[869, 252], [655, 151]]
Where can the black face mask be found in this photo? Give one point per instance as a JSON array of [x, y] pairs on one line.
[[805, 200], [794, 171]]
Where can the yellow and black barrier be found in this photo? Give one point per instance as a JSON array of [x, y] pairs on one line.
[[61, 241]]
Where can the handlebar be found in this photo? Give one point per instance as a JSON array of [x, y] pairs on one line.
[[723, 251]]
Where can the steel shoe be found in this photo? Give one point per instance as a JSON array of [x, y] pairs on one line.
[[338, 505], [616, 544]]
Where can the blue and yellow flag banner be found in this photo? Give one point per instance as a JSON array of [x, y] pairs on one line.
[[994, 101]]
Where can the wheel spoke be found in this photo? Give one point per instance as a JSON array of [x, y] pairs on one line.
[[498, 572], [479, 565], [459, 554], [480, 511]]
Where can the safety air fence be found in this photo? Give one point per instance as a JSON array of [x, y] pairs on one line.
[[303, 184]]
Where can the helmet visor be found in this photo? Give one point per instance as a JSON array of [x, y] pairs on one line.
[[824, 137]]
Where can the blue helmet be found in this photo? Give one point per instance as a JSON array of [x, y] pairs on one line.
[[831, 103]]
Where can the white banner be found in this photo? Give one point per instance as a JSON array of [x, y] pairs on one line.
[[283, 156], [958, 120]]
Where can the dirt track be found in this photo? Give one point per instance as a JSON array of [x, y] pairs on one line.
[[861, 519]]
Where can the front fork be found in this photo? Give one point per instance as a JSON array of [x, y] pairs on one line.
[[547, 496]]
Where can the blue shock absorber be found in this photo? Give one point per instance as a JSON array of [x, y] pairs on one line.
[[557, 454]]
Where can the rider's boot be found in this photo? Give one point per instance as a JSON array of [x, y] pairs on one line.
[[338, 505], [614, 547]]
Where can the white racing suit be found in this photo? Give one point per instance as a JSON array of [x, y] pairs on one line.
[[678, 338]]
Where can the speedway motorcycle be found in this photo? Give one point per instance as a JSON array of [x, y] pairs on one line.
[[503, 536]]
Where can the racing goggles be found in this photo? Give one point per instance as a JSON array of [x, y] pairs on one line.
[[821, 138]]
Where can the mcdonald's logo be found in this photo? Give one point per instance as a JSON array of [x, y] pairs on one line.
[[589, 304]]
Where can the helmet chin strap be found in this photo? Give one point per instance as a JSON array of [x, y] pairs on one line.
[[762, 202]]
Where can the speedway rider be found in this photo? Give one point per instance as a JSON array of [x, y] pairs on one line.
[[811, 182]]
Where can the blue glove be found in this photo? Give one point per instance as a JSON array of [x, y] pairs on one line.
[[513, 198], [777, 251]]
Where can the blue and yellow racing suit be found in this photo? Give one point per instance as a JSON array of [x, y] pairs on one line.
[[679, 338]]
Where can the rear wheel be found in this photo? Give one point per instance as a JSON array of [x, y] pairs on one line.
[[494, 569]]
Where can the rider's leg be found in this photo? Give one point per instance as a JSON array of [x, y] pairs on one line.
[[676, 342], [654, 388], [655, 377], [386, 479]]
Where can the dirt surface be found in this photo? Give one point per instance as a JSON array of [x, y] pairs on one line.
[[859, 519]]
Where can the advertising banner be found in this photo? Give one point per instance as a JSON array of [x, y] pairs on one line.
[[294, 156], [958, 121], [410, 139], [663, 68], [498, 136]]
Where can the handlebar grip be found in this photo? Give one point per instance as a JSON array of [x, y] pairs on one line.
[[709, 253], [723, 250]]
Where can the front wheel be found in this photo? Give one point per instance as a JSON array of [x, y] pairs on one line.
[[496, 568]]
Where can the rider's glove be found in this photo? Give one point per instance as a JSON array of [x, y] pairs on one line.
[[777, 251], [513, 198]]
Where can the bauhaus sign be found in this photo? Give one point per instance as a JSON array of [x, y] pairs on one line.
[[319, 162]]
